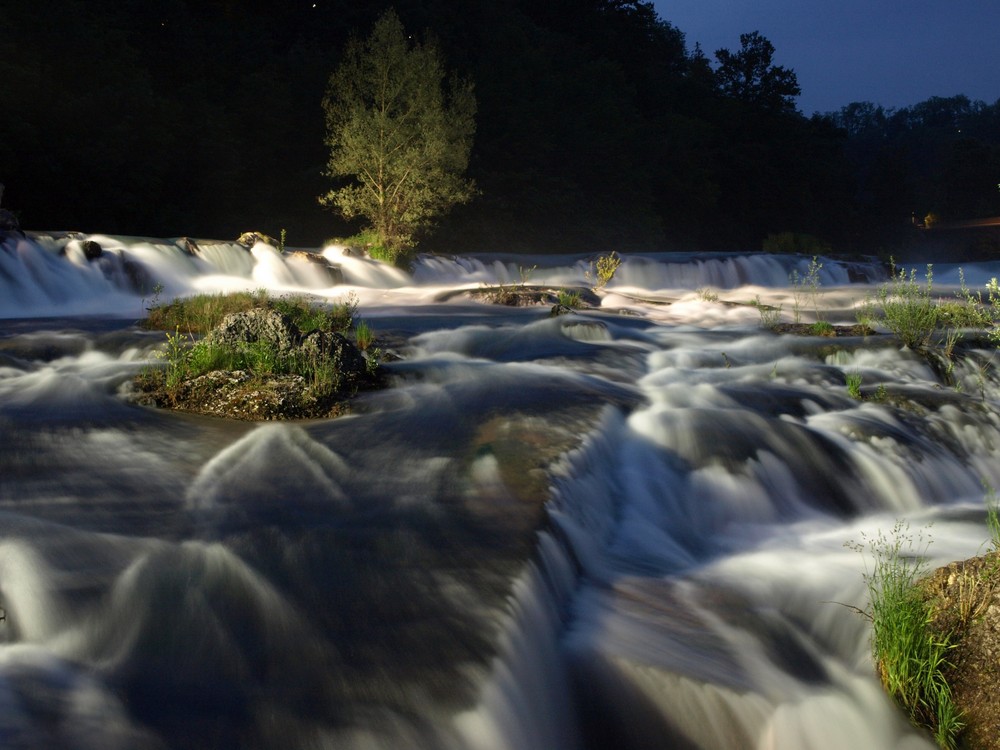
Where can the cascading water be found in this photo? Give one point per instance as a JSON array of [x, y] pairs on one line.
[[622, 527]]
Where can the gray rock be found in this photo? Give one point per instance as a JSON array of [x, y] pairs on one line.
[[351, 362], [260, 324]]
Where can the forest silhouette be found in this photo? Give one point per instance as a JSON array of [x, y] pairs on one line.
[[597, 128]]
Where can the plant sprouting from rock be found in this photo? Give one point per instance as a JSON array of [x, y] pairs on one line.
[[603, 270], [806, 289]]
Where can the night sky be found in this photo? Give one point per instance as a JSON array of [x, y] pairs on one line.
[[891, 53]]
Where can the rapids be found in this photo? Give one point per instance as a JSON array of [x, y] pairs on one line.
[[623, 527]]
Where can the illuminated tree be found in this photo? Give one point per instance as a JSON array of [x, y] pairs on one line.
[[399, 138]]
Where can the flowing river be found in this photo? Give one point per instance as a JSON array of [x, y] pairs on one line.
[[623, 527]]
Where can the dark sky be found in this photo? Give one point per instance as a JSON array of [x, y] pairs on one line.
[[891, 53]]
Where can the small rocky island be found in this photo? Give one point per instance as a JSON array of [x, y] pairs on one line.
[[267, 359]]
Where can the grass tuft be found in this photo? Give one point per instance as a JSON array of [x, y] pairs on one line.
[[910, 659]]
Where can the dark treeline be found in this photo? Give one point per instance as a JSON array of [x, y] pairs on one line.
[[597, 128]]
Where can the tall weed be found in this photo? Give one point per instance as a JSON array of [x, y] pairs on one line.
[[908, 308]]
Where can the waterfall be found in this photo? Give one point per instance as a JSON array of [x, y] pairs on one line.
[[623, 526]]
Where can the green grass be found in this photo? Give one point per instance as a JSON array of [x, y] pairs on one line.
[[200, 313], [364, 336], [188, 357], [907, 307], [992, 516], [910, 659], [822, 328], [854, 385], [569, 299]]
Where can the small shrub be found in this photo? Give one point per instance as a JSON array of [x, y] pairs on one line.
[[705, 294], [908, 308], [310, 316], [770, 316], [603, 271], [805, 288]]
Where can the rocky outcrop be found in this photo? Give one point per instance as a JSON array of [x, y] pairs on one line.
[[964, 603], [249, 239], [260, 325], [91, 250]]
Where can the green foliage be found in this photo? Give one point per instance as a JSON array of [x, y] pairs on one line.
[[398, 139], [770, 316], [309, 316], [822, 328], [705, 294], [906, 307], [910, 660], [569, 299], [603, 270], [364, 336], [187, 358], [992, 516], [993, 292], [854, 385], [805, 288], [175, 354], [200, 313], [281, 243]]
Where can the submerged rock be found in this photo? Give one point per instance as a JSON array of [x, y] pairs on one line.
[[332, 272]]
